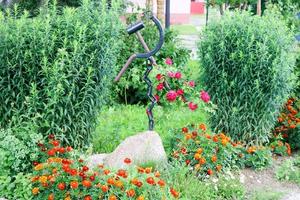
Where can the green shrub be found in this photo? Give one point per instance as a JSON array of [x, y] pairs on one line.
[[248, 63], [57, 69], [16, 187], [131, 88], [289, 171], [17, 150]]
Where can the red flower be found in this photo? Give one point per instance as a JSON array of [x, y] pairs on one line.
[[130, 193], [180, 92], [171, 95], [51, 136], [88, 197], [150, 180], [55, 143], [178, 75], [104, 188], [86, 183], [61, 186], [69, 149], [159, 77], [156, 97], [192, 83], [127, 160], [187, 162], [74, 184], [204, 96], [171, 74], [160, 87], [169, 61], [210, 172], [185, 129], [161, 183], [174, 193], [51, 152], [85, 168], [193, 106], [122, 173]]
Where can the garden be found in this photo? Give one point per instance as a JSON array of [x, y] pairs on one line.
[[223, 125]]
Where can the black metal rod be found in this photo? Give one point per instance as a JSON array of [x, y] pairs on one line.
[[207, 7], [150, 94], [168, 14]]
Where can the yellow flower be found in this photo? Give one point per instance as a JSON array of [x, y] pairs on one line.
[[35, 191], [39, 167], [43, 179]]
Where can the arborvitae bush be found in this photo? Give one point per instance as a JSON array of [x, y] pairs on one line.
[[248, 64], [56, 68]]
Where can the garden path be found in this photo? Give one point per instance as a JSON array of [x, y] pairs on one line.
[[265, 180]]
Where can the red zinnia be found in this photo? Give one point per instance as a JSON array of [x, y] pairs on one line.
[[171, 95]]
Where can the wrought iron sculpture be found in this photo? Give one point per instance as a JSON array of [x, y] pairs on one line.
[[135, 28]]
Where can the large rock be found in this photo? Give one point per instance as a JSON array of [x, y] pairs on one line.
[[142, 148]]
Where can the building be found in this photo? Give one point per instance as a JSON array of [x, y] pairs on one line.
[[181, 10]]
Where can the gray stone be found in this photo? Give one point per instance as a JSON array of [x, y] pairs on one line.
[[95, 160], [142, 148]]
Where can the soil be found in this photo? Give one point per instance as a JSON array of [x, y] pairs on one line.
[[265, 180]]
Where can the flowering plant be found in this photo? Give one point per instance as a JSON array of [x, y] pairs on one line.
[[63, 175], [288, 123], [206, 153], [171, 86]]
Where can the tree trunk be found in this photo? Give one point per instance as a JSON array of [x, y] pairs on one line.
[[258, 8], [161, 10]]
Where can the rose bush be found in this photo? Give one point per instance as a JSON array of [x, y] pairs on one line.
[[172, 86]]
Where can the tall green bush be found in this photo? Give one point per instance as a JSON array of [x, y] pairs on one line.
[[56, 68], [248, 66]]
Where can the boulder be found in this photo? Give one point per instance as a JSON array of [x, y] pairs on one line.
[[95, 160], [142, 148]]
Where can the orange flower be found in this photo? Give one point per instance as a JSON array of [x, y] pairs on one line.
[[43, 179], [224, 141], [210, 172], [202, 127], [39, 167], [214, 158], [200, 150], [130, 193], [215, 138], [157, 174], [148, 170], [51, 196], [140, 198], [74, 184], [112, 197], [150, 180], [251, 149], [202, 161], [35, 191], [197, 156], [106, 171], [104, 188], [127, 160], [86, 183], [119, 184], [218, 167], [197, 166], [140, 170], [188, 136], [110, 181], [161, 183], [174, 193]]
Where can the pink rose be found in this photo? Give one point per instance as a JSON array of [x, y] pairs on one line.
[[160, 86], [171, 74], [193, 106], [156, 97], [169, 61], [159, 77], [192, 83], [171, 95], [180, 92], [178, 75], [204, 96]]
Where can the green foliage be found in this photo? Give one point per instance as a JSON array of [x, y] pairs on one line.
[[17, 150], [260, 159], [248, 63], [115, 124], [266, 194], [56, 69], [131, 87], [17, 187], [289, 170], [190, 187]]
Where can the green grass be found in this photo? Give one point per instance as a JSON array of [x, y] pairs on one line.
[[117, 123], [266, 194], [289, 170], [185, 29]]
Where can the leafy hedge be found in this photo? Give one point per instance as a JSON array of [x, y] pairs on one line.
[[56, 68], [248, 66]]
